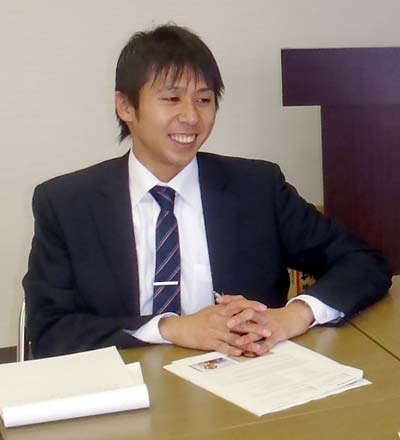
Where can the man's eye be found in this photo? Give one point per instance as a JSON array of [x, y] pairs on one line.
[[204, 100], [171, 99]]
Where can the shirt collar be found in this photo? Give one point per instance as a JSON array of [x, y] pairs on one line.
[[185, 183]]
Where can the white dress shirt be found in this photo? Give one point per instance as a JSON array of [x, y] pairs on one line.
[[196, 281]]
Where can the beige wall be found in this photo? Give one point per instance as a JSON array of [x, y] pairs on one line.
[[56, 82]]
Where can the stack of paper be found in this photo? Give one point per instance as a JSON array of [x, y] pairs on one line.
[[64, 387], [287, 376]]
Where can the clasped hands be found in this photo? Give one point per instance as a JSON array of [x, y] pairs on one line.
[[236, 325]]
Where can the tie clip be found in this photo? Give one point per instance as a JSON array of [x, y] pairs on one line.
[[165, 283]]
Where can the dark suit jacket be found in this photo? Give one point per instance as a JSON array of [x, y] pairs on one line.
[[82, 285]]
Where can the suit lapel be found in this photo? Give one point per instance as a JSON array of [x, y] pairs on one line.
[[113, 217], [220, 208]]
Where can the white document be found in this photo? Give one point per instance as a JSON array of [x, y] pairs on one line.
[[287, 376], [64, 387]]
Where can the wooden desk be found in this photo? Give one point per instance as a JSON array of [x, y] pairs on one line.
[[381, 322], [368, 421], [180, 410]]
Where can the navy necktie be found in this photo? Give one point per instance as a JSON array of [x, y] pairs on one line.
[[167, 277]]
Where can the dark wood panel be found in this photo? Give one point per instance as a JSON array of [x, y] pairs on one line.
[[8, 354], [358, 90], [341, 76], [361, 169]]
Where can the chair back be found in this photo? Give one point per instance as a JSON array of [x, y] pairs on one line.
[[21, 335]]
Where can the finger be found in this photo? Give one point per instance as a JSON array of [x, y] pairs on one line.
[[245, 316], [244, 341], [235, 307], [225, 348], [228, 337], [255, 336], [241, 318], [258, 348], [252, 327], [263, 347], [226, 299]]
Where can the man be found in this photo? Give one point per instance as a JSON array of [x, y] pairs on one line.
[[130, 251]]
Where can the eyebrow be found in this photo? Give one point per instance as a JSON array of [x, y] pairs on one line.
[[173, 87]]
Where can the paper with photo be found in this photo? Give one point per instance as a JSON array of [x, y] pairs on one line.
[[287, 376]]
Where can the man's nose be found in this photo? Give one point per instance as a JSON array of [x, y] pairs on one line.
[[188, 112]]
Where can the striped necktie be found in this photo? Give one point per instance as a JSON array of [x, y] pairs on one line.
[[167, 277]]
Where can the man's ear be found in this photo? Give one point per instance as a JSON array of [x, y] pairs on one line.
[[124, 107]]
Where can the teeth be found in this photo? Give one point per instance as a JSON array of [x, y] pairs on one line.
[[183, 138]]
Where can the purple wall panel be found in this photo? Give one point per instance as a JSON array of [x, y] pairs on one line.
[[358, 90], [341, 76]]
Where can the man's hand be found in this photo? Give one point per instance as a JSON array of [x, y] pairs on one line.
[[270, 326], [208, 329]]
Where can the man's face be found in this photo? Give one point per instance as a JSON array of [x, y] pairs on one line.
[[172, 123]]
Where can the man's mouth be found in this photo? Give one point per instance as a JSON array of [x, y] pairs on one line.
[[183, 138]]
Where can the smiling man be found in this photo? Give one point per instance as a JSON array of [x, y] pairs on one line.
[[175, 115], [130, 251]]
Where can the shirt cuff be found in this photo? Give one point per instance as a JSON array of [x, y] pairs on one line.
[[150, 332], [322, 312]]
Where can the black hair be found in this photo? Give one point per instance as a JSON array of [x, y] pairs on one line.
[[168, 49]]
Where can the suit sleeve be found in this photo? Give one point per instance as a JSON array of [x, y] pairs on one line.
[[350, 275], [58, 319]]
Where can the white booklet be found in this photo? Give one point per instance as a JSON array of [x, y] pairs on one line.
[[288, 375], [65, 387]]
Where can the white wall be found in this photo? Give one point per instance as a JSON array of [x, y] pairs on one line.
[[56, 91]]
